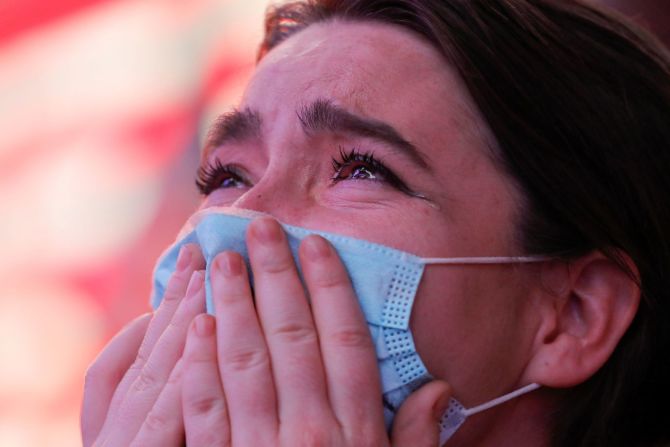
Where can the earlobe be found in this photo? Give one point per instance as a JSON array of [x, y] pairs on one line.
[[587, 306]]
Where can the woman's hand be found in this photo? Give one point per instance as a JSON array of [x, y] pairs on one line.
[[132, 390], [295, 371]]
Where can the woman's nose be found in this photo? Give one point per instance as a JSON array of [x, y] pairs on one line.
[[280, 199]]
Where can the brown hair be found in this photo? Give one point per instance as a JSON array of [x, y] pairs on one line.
[[579, 103]]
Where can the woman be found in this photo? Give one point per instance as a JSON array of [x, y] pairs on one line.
[[519, 130]]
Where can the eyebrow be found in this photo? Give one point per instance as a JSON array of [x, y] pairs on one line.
[[319, 116], [237, 125], [322, 115]]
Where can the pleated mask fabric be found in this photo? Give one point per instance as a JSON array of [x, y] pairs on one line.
[[385, 281]]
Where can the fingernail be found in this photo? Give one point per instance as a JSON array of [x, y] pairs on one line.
[[204, 325], [229, 264], [266, 230], [184, 258], [195, 284], [316, 248], [441, 406]]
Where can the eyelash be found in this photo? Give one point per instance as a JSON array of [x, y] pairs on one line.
[[211, 177], [365, 159]]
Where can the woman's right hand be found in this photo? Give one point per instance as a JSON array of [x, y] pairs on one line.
[[131, 392]]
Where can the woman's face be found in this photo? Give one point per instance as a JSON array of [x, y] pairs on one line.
[[363, 129]]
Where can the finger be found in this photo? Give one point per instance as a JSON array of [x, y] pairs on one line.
[[164, 425], [149, 383], [105, 373], [203, 403], [244, 362], [346, 346], [189, 260], [417, 421], [287, 323]]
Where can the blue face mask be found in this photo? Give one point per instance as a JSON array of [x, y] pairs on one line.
[[385, 281]]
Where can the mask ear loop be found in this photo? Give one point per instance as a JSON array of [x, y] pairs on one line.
[[487, 260], [501, 399], [456, 413]]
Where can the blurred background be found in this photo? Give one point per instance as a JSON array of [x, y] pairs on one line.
[[103, 104]]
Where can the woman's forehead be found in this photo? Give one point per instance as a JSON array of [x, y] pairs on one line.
[[377, 70]]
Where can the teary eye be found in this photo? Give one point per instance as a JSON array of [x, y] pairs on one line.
[[363, 166], [357, 172], [214, 176], [355, 165]]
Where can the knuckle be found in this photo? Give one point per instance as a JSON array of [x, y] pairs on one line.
[[330, 280], [367, 435], [135, 368], [171, 296], [310, 435], [176, 325], [142, 358], [200, 357], [172, 291], [295, 333], [377, 441], [204, 405], [350, 338], [246, 359], [175, 377], [229, 296], [155, 421], [277, 265], [177, 284], [146, 380], [98, 376], [211, 438]]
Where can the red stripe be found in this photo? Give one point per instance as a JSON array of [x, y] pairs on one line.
[[161, 138], [19, 16]]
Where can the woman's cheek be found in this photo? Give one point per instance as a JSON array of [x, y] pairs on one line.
[[357, 193], [222, 197]]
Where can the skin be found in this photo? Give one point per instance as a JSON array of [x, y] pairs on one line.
[[471, 208], [280, 371]]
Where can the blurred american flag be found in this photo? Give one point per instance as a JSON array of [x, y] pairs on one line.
[[102, 107], [102, 104]]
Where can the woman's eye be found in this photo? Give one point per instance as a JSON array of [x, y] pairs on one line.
[[358, 166], [232, 181], [357, 172], [219, 176]]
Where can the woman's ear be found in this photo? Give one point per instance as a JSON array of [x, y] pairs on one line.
[[586, 306]]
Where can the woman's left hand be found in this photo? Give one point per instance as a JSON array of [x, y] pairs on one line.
[[295, 371]]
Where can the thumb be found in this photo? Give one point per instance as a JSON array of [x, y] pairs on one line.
[[417, 421]]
